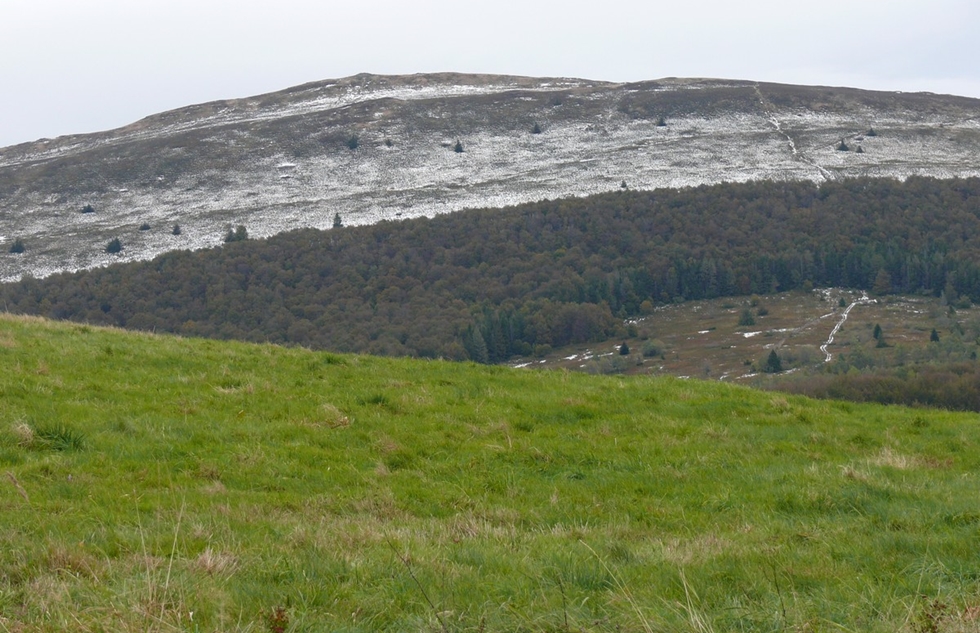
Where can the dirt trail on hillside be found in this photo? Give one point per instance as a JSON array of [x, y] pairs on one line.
[[830, 340], [770, 113]]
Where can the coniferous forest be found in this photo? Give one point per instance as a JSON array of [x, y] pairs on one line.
[[489, 284]]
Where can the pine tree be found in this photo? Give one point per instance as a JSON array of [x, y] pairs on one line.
[[239, 234], [934, 336], [114, 246], [337, 221], [773, 364], [17, 246], [624, 349], [459, 147]]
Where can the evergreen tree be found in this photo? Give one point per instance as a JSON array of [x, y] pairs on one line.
[[459, 147], [17, 246], [337, 221], [536, 129], [624, 349], [934, 336], [239, 234], [176, 229], [114, 246], [475, 345], [352, 142], [773, 364], [879, 336]]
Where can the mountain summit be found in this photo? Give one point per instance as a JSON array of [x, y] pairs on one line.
[[369, 148]]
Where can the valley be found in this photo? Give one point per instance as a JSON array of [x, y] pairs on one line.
[[704, 339]]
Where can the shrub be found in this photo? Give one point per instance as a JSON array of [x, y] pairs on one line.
[[352, 142], [653, 347], [536, 129], [843, 146], [17, 246], [88, 209], [144, 227], [746, 318], [176, 229], [661, 122], [459, 147], [114, 246]]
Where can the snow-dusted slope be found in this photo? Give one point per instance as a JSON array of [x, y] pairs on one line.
[[283, 160]]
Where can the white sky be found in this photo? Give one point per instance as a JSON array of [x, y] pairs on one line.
[[74, 66]]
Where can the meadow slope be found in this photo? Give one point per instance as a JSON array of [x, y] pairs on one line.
[[155, 483]]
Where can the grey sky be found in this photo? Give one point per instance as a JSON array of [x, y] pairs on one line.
[[74, 66]]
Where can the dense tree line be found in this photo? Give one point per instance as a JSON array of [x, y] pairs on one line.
[[489, 284]]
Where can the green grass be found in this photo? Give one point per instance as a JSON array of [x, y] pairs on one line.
[[158, 484]]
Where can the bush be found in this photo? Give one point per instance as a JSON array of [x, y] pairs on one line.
[[843, 147], [536, 129], [653, 347], [144, 227], [746, 318], [352, 142], [176, 229], [459, 147], [17, 246], [114, 246], [88, 209]]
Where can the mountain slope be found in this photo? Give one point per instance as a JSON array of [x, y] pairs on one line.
[[285, 160], [155, 484]]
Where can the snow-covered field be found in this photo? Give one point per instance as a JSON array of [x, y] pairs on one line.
[[282, 161]]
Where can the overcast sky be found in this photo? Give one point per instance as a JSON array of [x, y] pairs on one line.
[[74, 66]]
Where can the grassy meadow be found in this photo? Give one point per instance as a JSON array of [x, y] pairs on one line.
[[153, 483]]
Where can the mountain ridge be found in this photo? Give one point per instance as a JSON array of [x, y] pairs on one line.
[[377, 147]]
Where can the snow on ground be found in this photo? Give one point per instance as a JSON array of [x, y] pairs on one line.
[[252, 162]]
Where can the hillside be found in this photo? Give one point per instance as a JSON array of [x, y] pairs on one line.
[[382, 147], [488, 285], [154, 483]]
